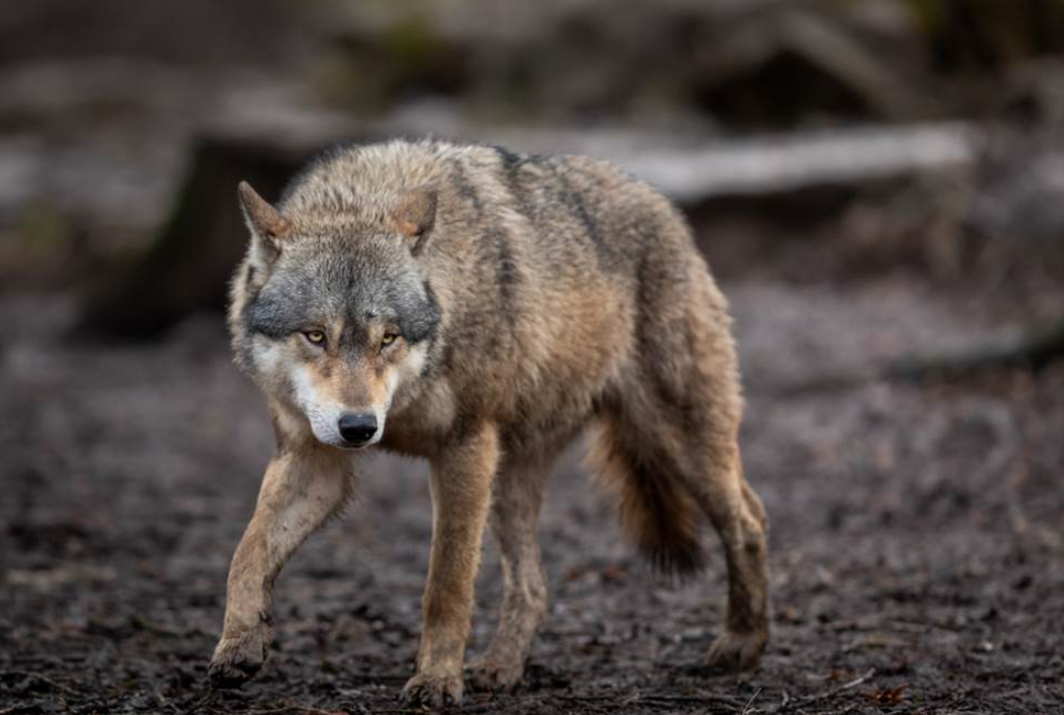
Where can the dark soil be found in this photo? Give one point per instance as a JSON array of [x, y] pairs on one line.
[[917, 534]]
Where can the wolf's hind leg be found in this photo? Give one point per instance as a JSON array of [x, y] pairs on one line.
[[701, 442], [739, 519], [301, 489], [514, 518], [682, 411], [674, 474]]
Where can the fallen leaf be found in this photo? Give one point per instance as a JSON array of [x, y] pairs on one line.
[[888, 696]]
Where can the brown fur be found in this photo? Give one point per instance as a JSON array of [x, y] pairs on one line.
[[545, 294], [654, 510]]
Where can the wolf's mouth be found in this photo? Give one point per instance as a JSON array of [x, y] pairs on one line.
[[349, 447]]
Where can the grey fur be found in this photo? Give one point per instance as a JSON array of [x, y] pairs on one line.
[[490, 305]]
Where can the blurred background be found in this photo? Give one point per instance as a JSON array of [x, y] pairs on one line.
[[878, 185]]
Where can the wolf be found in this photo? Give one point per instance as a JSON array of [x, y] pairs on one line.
[[479, 308]]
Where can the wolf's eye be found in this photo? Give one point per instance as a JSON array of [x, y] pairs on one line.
[[315, 336], [387, 339]]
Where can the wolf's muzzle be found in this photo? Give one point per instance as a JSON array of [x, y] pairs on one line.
[[357, 429]]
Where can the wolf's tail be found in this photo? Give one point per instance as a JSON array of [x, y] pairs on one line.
[[655, 510]]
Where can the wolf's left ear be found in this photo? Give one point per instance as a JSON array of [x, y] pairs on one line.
[[415, 215], [268, 227]]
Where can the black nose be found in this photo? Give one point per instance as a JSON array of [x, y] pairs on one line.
[[358, 429]]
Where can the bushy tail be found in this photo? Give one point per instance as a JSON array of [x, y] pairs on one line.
[[655, 510]]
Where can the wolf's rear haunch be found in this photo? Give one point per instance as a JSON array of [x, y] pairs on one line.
[[479, 308]]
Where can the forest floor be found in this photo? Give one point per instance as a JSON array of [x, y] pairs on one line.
[[917, 535]]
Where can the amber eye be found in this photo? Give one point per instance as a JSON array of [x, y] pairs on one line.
[[387, 339], [315, 336]]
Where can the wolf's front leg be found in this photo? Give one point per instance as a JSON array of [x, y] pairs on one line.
[[461, 495], [515, 507], [302, 488]]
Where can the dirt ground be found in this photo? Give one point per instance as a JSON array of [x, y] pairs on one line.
[[917, 541]]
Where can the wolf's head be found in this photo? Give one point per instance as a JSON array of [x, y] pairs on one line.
[[331, 313]]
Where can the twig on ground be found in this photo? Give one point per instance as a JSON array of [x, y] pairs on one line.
[[750, 702], [701, 698], [197, 705], [29, 675], [820, 697]]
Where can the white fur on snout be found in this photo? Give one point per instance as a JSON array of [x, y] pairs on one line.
[[324, 416]]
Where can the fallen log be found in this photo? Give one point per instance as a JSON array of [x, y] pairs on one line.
[[1034, 350], [759, 167]]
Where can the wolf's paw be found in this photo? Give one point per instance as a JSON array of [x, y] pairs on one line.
[[495, 674], [237, 659], [435, 691], [737, 651]]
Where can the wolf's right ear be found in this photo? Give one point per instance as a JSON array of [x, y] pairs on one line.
[[414, 216], [268, 228]]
